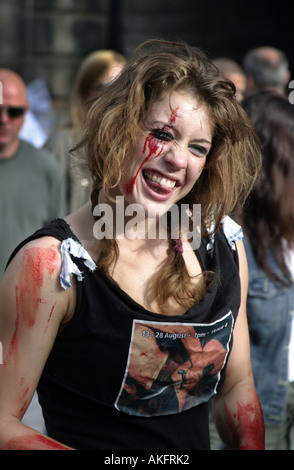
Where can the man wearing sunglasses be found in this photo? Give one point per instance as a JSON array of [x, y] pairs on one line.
[[31, 193], [12, 112]]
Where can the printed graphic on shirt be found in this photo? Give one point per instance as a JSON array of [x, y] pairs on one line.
[[173, 366]]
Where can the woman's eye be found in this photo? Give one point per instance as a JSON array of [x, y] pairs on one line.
[[199, 150], [161, 134]]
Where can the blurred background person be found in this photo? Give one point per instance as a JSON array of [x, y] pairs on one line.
[[266, 68], [31, 193], [234, 72], [96, 70], [268, 222]]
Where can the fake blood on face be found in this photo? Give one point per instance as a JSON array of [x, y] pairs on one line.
[[155, 147]]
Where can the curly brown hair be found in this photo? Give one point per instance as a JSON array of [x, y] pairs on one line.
[[115, 120]]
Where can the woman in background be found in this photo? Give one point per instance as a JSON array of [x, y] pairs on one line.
[[268, 222], [97, 70]]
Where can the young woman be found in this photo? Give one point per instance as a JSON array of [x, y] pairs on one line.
[[127, 326]]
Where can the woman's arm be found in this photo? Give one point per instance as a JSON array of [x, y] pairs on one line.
[[237, 411], [32, 308]]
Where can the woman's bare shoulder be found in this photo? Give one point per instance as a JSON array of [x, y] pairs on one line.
[[41, 253]]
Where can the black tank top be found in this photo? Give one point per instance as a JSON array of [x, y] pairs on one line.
[[120, 377]]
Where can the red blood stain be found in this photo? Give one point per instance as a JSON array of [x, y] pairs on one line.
[[34, 442], [246, 429], [37, 262], [49, 318], [155, 147], [251, 417], [172, 119], [23, 401], [13, 343]]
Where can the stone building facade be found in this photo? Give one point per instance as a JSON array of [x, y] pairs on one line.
[[48, 38]]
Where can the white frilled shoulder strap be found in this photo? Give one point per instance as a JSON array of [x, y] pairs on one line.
[[232, 231], [68, 267]]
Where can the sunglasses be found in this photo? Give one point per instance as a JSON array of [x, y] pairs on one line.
[[13, 112]]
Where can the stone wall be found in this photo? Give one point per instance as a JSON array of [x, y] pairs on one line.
[[48, 39]]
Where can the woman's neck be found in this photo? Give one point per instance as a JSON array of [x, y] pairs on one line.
[[129, 223]]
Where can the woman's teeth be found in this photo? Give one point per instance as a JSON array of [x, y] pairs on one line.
[[164, 182]]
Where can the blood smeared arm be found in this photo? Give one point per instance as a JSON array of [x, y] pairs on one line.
[[32, 308], [237, 411]]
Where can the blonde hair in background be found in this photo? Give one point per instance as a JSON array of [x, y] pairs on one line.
[[96, 69]]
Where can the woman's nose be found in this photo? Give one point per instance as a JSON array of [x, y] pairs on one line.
[[176, 157]]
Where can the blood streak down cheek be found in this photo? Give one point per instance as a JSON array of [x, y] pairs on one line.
[[155, 147]]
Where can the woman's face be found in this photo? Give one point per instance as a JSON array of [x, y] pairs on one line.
[[170, 154]]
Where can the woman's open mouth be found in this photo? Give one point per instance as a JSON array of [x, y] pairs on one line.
[[158, 183]]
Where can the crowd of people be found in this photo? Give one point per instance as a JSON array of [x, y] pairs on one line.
[[268, 225], [139, 342]]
